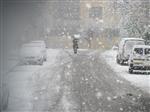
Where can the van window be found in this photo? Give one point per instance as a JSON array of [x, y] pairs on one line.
[[129, 44], [138, 51]]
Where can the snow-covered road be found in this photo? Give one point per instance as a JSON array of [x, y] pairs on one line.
[[22, 81], [140, 80], [73, 83]]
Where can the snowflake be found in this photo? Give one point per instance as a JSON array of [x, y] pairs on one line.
[[99, 95]]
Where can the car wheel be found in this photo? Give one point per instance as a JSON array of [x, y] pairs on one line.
[[45, 59], [131, 68], [41, 62], [5, 101]]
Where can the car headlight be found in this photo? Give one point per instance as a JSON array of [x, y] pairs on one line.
[[138, 61]]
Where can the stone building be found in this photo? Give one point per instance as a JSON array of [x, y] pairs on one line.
[[100, 17]]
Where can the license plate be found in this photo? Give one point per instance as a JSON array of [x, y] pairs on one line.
[[138, 61]]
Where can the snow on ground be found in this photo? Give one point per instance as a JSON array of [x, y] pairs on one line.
[[19, 87], [21, 83], [139, 80], [11, 61]]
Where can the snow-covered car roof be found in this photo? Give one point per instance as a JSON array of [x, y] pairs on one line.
[[141, 46], [124, 39], [26, 45], [30, 45], [38, 41]]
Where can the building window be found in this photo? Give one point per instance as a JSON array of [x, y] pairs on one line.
[[67, 10], [95, 12]]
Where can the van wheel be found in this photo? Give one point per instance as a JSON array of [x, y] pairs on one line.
[[121, 62], [117, 60], [130, 70]]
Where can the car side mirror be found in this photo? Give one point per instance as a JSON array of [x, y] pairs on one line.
[[115, 48]]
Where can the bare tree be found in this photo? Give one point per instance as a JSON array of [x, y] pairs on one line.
[[134, 16]]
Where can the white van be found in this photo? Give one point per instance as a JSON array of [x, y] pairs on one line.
[[139, 58], [125, 48]]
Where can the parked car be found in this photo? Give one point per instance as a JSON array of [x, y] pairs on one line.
[[124, 48], [32, 54], [42, 44], [4, 95], [139, 58]]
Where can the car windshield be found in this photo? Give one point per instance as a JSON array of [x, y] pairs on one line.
[[38, 44], [138, 51], [30, 49], [130, 43], [147, 51]]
